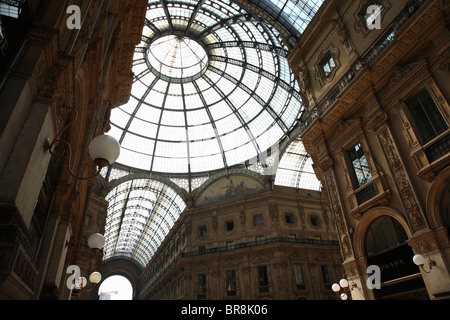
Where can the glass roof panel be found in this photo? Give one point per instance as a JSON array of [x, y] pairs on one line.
[[295, 168], [140, 214], [212, 86], [294, 15]]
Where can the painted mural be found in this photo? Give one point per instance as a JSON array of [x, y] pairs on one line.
[[229, 188]]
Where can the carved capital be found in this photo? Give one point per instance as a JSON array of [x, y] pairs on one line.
[[424, 243], [376, 121]]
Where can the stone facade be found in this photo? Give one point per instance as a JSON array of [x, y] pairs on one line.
[[363, 102], [54, 68], [278, 230], [355, 80]]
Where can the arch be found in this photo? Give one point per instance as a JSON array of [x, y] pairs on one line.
[[246, 183], [434, 195], [125, 268], [134, 176], [141, 213], [366, 221], [212, 179], [117, 287]]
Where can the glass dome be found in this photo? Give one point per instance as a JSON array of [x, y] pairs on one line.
[[212, 88]]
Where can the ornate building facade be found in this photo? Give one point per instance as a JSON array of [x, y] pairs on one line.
[[362, 86], [50, 74], [244, 241], [378, 131]]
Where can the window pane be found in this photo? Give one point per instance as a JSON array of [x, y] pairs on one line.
[[360, 166], [263, 281], [384, 233], [299, 280], [427, 120], [231, 283], [325, 274], [201, 289]]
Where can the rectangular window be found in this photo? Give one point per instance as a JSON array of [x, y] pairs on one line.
[[358, 161], [299, 278], [258, 220], [289, 217], [263, 280], [201, 289], [202, 231], [426, 119], [325, 275], [314, 220], [231, 283], [328, 65], [230, 245], [229, 225], [259, 239]]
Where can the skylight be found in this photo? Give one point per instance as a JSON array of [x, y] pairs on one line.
[[141, 213], [212, 89]]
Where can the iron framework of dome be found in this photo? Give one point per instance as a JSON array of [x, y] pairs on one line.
[[141, 213], [212, 90]]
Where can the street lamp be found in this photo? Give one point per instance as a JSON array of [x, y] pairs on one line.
[[103, 149], [420, 261], [95, 243]]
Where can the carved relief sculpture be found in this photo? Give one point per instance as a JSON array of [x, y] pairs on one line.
[[412, 208], [347, 250]]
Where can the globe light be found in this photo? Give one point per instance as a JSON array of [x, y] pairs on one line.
[[419, 260], [96, 241], [343, 283], [344, 296], [104, 150], [81, 282], [95, 277], [335, 287]]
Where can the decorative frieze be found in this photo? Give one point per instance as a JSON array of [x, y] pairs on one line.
[[407, 194], [347, 250]]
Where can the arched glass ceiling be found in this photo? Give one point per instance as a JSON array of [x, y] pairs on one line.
[[212, 88], [295, 168], [141, 213], [293, 15]]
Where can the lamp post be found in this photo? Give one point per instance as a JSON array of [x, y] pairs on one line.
[[95, 243]]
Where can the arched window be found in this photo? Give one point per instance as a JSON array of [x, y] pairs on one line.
[[384, 233]]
